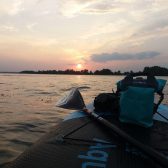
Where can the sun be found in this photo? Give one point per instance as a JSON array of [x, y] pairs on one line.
[[79, 66]]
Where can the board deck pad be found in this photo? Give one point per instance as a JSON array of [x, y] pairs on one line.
[[84, 143]]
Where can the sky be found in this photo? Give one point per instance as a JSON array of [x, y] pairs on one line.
[[59, 34]]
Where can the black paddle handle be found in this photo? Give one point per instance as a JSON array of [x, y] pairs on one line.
[[158, 157]]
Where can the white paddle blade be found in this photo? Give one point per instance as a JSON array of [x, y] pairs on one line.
[[73, 100]]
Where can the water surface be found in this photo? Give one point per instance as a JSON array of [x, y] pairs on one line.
[[27, 106]]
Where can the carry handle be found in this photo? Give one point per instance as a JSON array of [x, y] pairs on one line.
[[151, 80], [138, 74]]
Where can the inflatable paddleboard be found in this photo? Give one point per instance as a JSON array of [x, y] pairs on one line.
[[81, 142]]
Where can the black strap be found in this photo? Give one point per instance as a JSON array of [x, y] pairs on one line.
[[159, 101]]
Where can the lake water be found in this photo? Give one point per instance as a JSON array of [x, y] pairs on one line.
[[27, 106]]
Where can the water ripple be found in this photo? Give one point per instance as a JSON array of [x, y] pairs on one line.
[[80, 88], [21, 142], [84, 88]]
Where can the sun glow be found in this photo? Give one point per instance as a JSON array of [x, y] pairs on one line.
[[79, 66]]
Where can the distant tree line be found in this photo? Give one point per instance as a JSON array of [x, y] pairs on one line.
[[155, 70], [68, 71]]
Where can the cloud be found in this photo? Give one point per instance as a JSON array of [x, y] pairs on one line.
[[31, 26], [104, 7], [105, 57], [72, 8], [11, 7], [8, 28], [157, 21], [16, 8]]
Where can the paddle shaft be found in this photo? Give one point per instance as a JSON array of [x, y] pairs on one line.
[[158, 157]]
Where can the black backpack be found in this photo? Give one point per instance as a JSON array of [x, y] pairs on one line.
[[107, 102]]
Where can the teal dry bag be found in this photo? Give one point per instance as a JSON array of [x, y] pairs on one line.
[[137, 98], [136, 106]]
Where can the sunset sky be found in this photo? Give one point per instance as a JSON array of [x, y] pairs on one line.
[[59, 34]]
